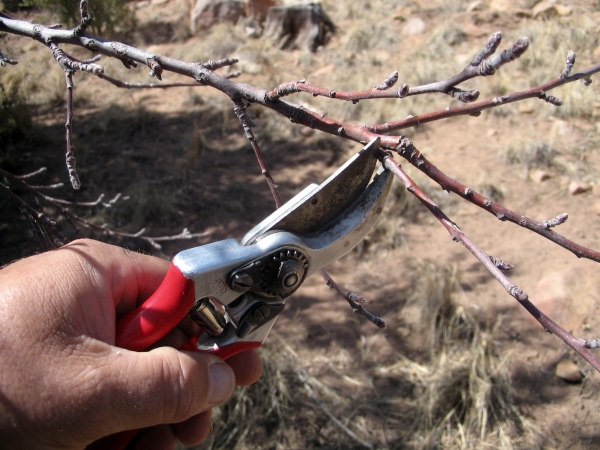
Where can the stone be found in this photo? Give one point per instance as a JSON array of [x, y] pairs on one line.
[[562, 128], [596, 207], [477, 5], [567, 370], [567, 296], [578, 187], [501, 5], [539, 176], [403, 13], [413, 26], [546, 10], [526, 108], [596, 189]]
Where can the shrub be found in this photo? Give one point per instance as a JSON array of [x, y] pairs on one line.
[[109, 15]]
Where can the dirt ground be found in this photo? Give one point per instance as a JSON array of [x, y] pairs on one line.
[[180, 159]]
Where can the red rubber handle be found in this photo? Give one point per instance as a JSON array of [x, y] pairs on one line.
[[149, 323], [158, 315]]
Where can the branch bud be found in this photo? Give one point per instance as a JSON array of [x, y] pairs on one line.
[[155, 68], [569, 63], [488, 49], [388, 82], [558, 220], [501, 264], [489, 67], [403, 91], [464, 96]]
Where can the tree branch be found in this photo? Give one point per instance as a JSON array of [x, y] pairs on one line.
[[579, 345]]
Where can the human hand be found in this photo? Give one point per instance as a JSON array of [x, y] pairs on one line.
[[63, 383]]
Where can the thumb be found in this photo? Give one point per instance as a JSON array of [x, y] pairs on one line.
[[162, 386]]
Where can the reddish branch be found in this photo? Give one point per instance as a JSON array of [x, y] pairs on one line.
[[416, 158], [483, 64], [247, 123], [579, 345], [354, 300]]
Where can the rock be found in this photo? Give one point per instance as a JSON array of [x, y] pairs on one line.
[[578, 187], [539, 176], [501, 5], [476, 6], [567, 370], [596, 208], [414, 25], [207, 13], [522, 13], [567, 296], [403, 13], [526, 108], [596, 189], [492, 132], [546, 10]]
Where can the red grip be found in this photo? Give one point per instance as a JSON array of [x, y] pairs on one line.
[[150, 322], [158, 315]]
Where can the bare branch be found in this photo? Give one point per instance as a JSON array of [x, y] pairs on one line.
[[407, 150], [70, 156], [214, 65], [354, 300], [4, 61], [86, 19], [240, 111], [570, 62], [457, 235]]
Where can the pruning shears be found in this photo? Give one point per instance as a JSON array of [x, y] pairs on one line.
[[235, 290]]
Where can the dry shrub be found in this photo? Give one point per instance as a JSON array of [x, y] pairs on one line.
[[466, 400], [530, 155], [491, 191], [458, 396], [432, 289]]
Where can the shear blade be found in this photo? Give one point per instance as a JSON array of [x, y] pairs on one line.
[[318, 205]]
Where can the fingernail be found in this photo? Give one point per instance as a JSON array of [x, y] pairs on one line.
[[221, 381]]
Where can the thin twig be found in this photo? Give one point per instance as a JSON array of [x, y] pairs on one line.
[[407, 150], [353, 299], [240, 111], [457, 235]]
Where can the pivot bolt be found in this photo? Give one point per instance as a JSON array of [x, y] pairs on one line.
[[241, 281]]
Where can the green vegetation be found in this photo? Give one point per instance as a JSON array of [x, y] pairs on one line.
[[109, 15]]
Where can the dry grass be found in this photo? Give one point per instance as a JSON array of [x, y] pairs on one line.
[[457, 396], [454, 391], [530, 155]]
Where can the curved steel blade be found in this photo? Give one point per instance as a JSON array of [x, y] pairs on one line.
[[318, 205]]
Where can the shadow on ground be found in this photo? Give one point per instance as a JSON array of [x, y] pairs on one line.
[[193, 170]]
